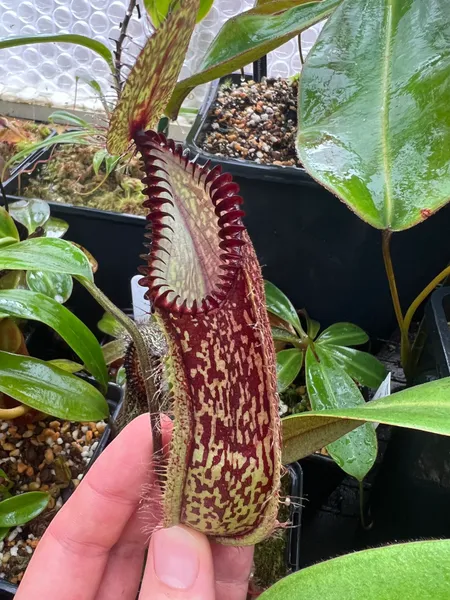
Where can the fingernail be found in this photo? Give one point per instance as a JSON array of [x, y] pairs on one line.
[[175, 557]]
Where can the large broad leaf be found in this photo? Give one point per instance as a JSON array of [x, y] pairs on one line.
[[8, 231], [55, 285], [361, 366], [247, 37], [153, 77], [21, 509], [279, 304], [413, 571], [425, 407], [32, 213], [343, 334], [24, 304], [50, 390], [330, 387], [374, 125], [46, 254], [55, 228], [69, 38], [289, 363]]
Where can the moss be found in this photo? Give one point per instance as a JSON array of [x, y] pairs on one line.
[[270, 555], [69, 177]]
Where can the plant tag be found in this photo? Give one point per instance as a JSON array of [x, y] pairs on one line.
[[383, 391], [141, 306]]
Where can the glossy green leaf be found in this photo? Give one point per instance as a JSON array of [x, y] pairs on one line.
[[111, 326], [22, 508], [3, 532], [55, 228], [113, 351], [111, 163], [153, 77], [55, 285], [69, 38], [48, 389], [361, 366], [374, 125], [425, 407], [8, 230], [25, 304], [312, 327], [289, 363], [159, 9], [66, 365], [411, 571], [247, 37], [330, 387], [46, 254], [279, 304], [32, 213], [343, 334]]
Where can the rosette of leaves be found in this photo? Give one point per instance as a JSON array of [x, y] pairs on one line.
[[334, 373], [36, 269]]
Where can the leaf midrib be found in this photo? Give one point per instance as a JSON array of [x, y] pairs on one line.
[[386, 72]]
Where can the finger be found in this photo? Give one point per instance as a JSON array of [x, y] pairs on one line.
[[232, 567], [72, 555], [179, 566], [123, 571]]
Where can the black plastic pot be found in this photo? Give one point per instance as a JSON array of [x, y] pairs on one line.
[[317, 251], [114, 398], [413, 495]]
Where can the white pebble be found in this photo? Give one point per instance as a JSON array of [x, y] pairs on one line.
[[4, 426], [27, 434], [19, 444], [2, 545], [264, 117], [59, 503], [215, 126], [100, 424], [59, 441], [70, 462], [29, 549], [67, 445], [80, 476], [75, 434], [12, 536], [85, 429], [84, 454], [31, 536], [12, 459], [94, 446], [49, 441], [14, 550]]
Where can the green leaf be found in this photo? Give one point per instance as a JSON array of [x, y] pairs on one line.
[[46, 254], [48, 389], [411, 571], [289, 363], [121, 377], [8, 230], [13, 279], [374, 86], [113, 351], [21, 509], [55, 228], [360, 366], [32, 305], [55, 285], [63, 116], [97, 160], [32, 213], [425, 407], [279, 304], [247, 37], [3, 532], [111, 326], [330, 387], [159, 9], [110, 163], [343, 334], [66, 365], [153, 77], [69, 38]]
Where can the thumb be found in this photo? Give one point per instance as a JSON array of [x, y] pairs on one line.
[[179, 566]]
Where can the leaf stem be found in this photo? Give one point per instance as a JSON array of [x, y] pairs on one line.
[[119, 44], [405, 345], [142, 353], [386, 242], [300, 51], [8, 414]]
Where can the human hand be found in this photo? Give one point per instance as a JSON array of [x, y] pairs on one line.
[[95, 547]]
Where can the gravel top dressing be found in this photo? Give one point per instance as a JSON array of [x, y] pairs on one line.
[[49, 456], [254, 121]]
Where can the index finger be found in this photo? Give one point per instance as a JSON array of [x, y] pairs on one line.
[[71, 557]]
